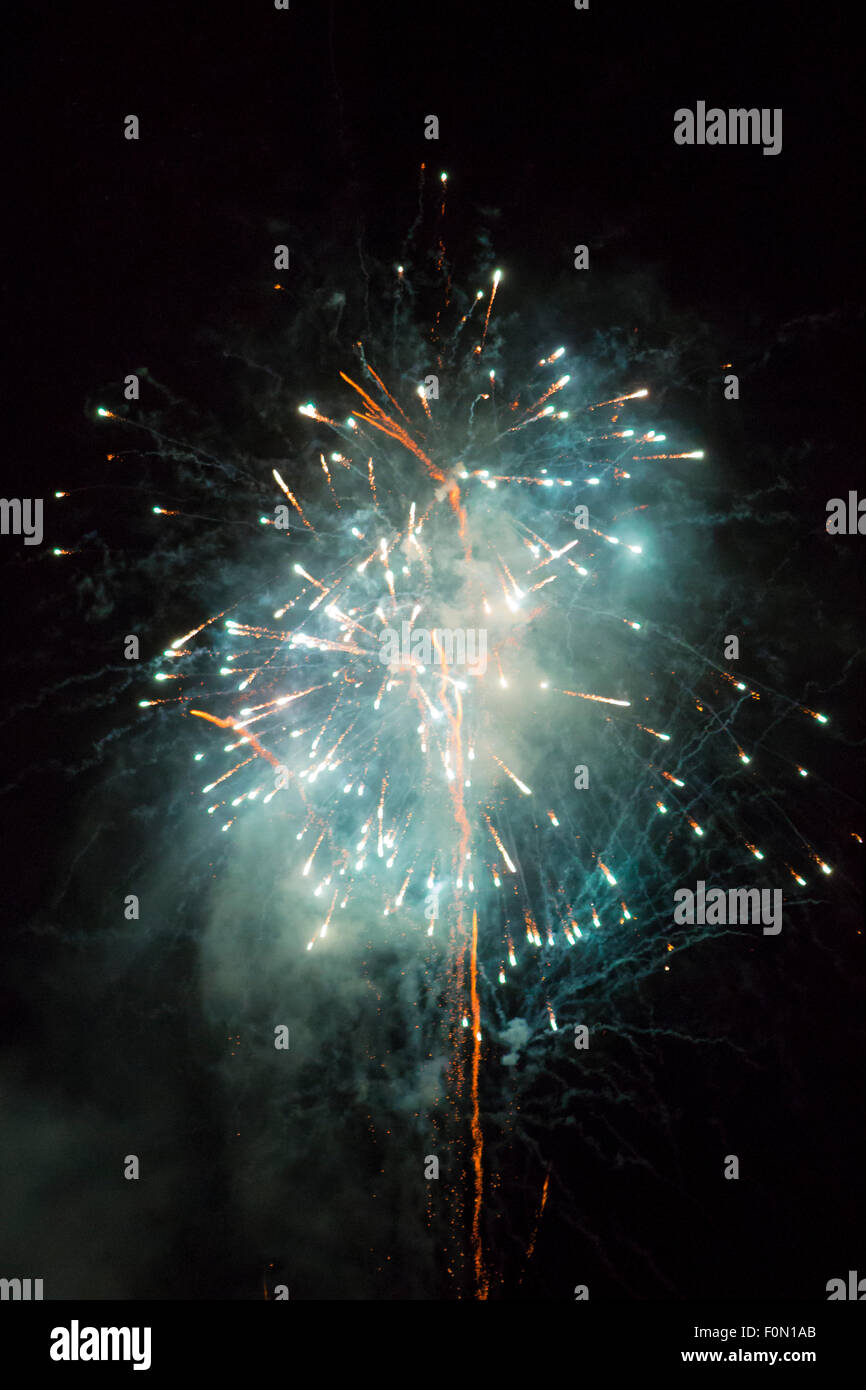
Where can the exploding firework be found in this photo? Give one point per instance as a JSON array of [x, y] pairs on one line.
[[460, 697]]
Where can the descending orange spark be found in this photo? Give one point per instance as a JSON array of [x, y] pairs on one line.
[[477, 1138], [239, 728], [382, 421], [599, 699], [515, 779], [531, 1247], [292, 499]]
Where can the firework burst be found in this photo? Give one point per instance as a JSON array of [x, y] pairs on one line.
[[460, 712]]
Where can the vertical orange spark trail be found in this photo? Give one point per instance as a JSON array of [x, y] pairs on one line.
[[477, 1138], [530, 1249], [459, 512], [489, 308]]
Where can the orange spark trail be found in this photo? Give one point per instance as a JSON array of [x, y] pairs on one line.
[[665, 737], [499, 845], [599, 699], [239, 728], [616, 400], [516, 780], [477, 1138], [294, 501], [489, 308], [330, 484], [381, 421], [378, 379], [531, 1247]]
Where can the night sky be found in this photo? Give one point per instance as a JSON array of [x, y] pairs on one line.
[[154, 1037]]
